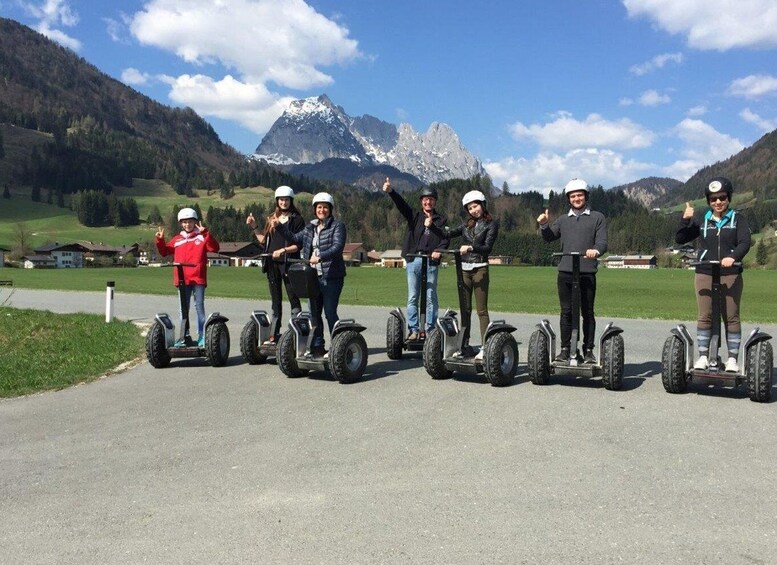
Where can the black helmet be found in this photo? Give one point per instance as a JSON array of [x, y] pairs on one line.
[[719, 184], [427, 191]]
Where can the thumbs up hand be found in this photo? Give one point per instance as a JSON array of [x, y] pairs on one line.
[[543, 218], [688, 212], [387, 185]]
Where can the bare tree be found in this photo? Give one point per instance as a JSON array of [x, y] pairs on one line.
[[22, 240]]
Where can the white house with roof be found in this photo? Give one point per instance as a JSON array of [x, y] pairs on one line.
[[64, 255]]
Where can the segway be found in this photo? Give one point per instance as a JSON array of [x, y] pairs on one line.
[[677, 356], [347, 357], [254, 339], [542, 346], [160, 340], [443, 353], [396, 325]]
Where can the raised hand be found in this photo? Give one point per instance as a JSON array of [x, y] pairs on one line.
[[251, 221], [688, 212], [160, 232], [200, 227], [387, 185], [543, 218]]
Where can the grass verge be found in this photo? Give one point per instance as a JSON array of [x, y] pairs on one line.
[[44, 351]]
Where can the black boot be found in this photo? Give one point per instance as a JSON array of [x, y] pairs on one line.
[[589, 358], [563, 355]]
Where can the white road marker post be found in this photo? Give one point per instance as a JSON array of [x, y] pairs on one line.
[[109, 301]]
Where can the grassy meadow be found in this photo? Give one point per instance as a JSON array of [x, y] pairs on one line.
[[624, 293]]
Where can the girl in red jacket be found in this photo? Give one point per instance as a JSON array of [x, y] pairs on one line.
[[191, 246]]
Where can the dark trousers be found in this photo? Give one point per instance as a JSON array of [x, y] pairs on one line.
[[327, 303], [475, 281], [587, 297], [274, 279]]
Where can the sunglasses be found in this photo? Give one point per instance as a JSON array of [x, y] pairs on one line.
[[718, 198]]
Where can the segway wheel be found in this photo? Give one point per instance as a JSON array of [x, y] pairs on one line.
[[249, 344], [217, 344], [612, 362], [673, 366], [348, 356], [394, 338], [500, 359], [433, 361], [760, 360], [538, 361], [156, 348], [287, 356]]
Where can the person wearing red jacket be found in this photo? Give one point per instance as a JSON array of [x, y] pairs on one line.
[[190, 246]]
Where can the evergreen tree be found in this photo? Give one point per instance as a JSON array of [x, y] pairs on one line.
[[761, 253], [6, 191]]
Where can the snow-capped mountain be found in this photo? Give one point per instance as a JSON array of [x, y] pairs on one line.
[[313, 130]]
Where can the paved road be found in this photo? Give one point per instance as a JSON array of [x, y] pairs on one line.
[[193, 464]]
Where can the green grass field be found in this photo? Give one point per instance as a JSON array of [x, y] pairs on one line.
[[659, 293], [43, 351]]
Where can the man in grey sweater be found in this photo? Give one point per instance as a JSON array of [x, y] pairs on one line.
[[584, 231]]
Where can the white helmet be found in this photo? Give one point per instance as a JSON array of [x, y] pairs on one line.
[[324, 198], [473, 196], [187, 214], [576, 185], [284, 192]]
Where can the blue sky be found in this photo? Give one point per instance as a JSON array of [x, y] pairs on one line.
[[540, 90]]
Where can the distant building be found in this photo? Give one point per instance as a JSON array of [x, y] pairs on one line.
[[112, 252], [354, 254], [631, 262], [218, 260], [39, 262], [374, 257], [65, 256], [392, 259], [3, 251], [500, 260], [238, 252]]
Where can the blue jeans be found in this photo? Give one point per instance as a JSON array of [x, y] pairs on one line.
[[414, 292], [326, 302], [199, 304]]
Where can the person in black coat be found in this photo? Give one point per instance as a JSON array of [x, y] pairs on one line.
[[420, 238], [280, 248], [724, 235], [478, 235]]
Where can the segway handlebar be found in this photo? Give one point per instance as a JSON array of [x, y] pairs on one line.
[[566, 253], [179, 265], [709, 262], [298, 260]]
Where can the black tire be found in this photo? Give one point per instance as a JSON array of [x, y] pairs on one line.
[[286, 354], [394, 338], [500, 359], [156, 348], [249, 344], [433, 362], [217, 344], [538, 358], [612, 362], [348, 356], [673, 366], [760, 362]]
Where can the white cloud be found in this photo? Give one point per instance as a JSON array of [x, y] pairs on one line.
[[653, 98], [134, 77], [761, 123], [52, 14], [657, 62], [252, 105], [697, 111], [283, 41], [702, 146], [551, 171], [713, 24], [753, 86], [565, 132]]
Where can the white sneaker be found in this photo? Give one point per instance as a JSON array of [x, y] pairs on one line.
[[702, 363], [731, 365]]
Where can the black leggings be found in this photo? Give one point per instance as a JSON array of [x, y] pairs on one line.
[[587, 297], [274, 278]]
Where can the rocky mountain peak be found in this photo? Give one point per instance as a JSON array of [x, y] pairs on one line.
[[314, 129]]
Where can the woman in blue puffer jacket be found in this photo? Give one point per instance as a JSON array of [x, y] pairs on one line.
[[322, 243]]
